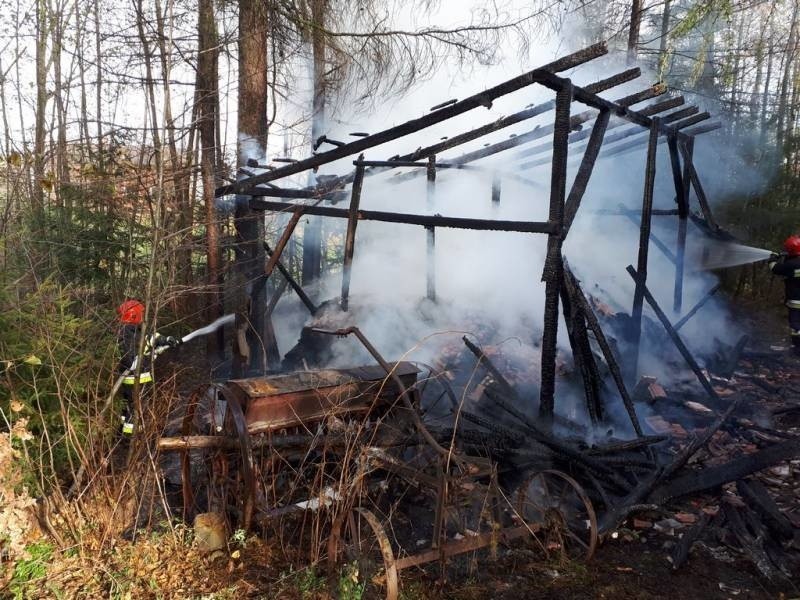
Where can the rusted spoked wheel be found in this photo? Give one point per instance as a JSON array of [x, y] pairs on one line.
[[218, 478], [360, 549], [559, 505]]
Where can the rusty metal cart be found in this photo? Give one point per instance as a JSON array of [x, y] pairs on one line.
[[351, 444]]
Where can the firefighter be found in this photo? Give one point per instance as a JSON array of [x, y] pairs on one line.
[[131, 314], [787, 265]]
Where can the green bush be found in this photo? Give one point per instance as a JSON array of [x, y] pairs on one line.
[[54, 362], [30, 572]]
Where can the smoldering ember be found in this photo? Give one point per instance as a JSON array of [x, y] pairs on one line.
[[456, 356]]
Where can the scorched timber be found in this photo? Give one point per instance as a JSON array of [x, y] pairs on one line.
[[409, 219], [484, 98], [312, 308], [578, 136], [575, 122], [712, 477], [600, 86], [377, 167], [553, 263], [636, 144]]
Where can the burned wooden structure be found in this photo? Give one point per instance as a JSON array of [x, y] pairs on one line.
[[267, 416], [678, 128]]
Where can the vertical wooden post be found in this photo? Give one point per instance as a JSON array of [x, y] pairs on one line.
[[350, 240], [644, 244], [580, 300], [431, 237], [582, 352], [683, 214], [553, 266], [497, 183]]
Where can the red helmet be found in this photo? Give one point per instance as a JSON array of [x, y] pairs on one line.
[[792, 245], [131, 312]]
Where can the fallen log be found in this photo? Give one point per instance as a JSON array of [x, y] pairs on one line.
[[752, 543], [755, 494], [738, 468]]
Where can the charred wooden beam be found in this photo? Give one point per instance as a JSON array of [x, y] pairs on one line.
[[299, 194], [746, 531], [588, 160], [688, 158], [282, 241], [644, 245], [691, 121], [485, 98], [539, 132], [561, 448], [581, 135], [695, 131], [757, 497], [626, 212], [489, 366], [552, 274], [674, 335], [430, 237], [715, 476], [350, 239], [636, 144], [515, 118], [659, 107], [582, 355], [697, 306], [628, 445], [298, 289], [583, 96], [578, 298], [270, 340], [650, 110], [680, 114], [683, 213], [411, 219]]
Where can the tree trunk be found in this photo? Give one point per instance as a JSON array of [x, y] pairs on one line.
[[633, 33], [179, 175], [253, 129], [783, 100], [61, 159], [98, 84], [207, 98], [765, 94], [40, 129], [312, 236], [662, 42], [83, 123]]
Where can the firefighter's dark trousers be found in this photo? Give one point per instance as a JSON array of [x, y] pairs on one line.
[[145, 390], [794, 326]]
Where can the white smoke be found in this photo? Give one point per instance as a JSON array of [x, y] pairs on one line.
[[492, 280]]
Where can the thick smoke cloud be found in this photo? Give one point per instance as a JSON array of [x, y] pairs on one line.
[[489, 283]]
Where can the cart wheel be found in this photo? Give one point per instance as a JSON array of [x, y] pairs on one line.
[[218, 479], [558, 503], [363, 544]]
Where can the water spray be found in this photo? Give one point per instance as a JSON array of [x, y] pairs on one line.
[[210, 328], [724, 255]]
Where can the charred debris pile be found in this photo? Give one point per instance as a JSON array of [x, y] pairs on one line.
[[698, 443]]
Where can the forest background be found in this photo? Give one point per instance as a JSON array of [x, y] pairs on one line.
[[120, 119]]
